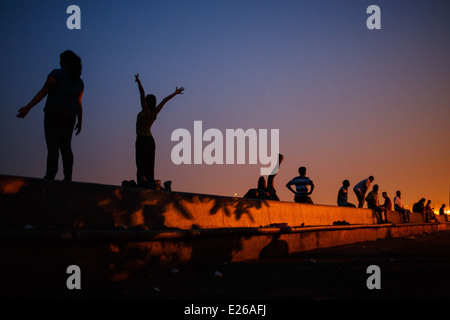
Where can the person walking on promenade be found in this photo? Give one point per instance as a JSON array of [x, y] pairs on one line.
[[342, 199], [145, 143], [302, 195], [398, 206], [361, 188], [64, 90]]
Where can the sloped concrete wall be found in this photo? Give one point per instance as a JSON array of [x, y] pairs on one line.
[[67, 205], [77, 223]]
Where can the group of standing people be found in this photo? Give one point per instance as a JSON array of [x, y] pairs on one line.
[[64, 90]]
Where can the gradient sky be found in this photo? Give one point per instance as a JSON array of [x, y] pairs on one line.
[[349, 102]]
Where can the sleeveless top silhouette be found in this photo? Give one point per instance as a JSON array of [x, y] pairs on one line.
[[144, 123]]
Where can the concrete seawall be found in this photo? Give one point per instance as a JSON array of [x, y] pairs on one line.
[[69, 205], [113, 232]]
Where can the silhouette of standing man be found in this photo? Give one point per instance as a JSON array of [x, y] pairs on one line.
[[64, 90], [145, 143], [302, 195]]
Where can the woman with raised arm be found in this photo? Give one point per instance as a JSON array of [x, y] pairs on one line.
[[64, 90], [145, 143]]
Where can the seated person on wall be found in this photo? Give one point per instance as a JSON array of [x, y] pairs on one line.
[[419, 207], [442, 212], [429, 212], [387, 202], [301, 183], [433, 217], [260, 192], [372, 203], [398, 206], [342, 199]]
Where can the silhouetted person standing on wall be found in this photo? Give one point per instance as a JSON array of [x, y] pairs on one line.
[[64, 90], [342, 199], [301, 185], [145, 143], [360, 190]]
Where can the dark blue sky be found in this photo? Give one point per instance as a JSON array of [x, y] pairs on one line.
[[349, 102]]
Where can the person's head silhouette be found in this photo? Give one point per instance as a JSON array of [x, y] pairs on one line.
[[71, 62], [302, 171]]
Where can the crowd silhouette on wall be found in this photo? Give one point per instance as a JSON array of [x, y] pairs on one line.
[[64, 91]]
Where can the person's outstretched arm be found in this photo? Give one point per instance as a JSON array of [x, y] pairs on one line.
[[163, 102], [141, 92], [22, 112]]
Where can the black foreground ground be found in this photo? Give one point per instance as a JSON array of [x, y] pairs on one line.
[[412, 267]]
